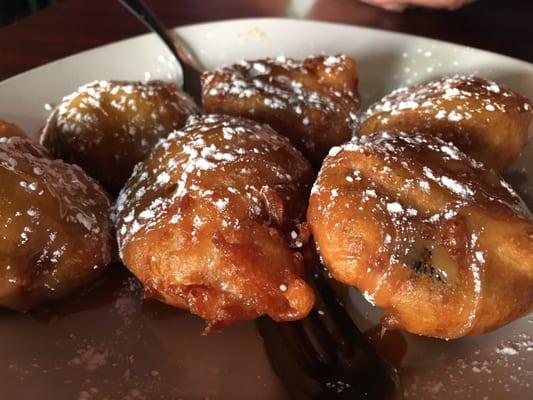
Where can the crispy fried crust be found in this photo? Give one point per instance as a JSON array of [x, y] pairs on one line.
[[313, 102], [210, 222], [55, 226], [107, 127], [442, 244], [485, 120]]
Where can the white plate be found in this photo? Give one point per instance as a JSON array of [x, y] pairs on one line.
[[168, 352]]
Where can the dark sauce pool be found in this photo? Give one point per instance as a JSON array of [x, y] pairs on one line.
[[106, 343]]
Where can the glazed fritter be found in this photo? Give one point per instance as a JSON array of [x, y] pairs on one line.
[[211, 222], [485, 120], [107, 127], [313, 102], [438, 241], [55, 226]]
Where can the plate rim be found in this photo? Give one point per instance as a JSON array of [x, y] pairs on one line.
[[179, 29]]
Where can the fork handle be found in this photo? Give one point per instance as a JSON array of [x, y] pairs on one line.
[[173, 41]]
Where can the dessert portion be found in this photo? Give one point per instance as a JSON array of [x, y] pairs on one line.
[[485, 120], [56, 233], [106, 127], [313, 102], [437, 240], [411, 211], [212, 220]]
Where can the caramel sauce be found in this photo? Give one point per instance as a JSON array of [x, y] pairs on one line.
[[100, 294], [390, 344], [106, 342]]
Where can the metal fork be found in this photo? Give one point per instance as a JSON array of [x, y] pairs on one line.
[[191, 66], [323, 356]]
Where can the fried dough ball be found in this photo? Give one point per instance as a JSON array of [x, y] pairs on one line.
[[107, 127], [485, 120], [313, 102], [9, 129], [211, 220], [443, 244], [55, 226]]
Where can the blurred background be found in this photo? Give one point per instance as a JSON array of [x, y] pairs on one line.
[[35, 32], [12, 10]]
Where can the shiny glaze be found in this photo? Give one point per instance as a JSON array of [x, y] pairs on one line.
[[433, 237], [212, 221], [106, 127], [55, 226], [314, 102], [486, 120]]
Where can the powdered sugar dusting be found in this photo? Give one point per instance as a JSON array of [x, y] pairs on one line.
[[412, 190], [453, 108], [314, 102], [115, 122], [180, 164]]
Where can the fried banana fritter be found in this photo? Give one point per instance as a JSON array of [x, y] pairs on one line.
[[107, 127], [313, 102], [210, 222], [55, 228], [484, 119], [441, 243]]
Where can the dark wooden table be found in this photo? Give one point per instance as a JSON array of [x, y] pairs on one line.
[[75, 25]]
